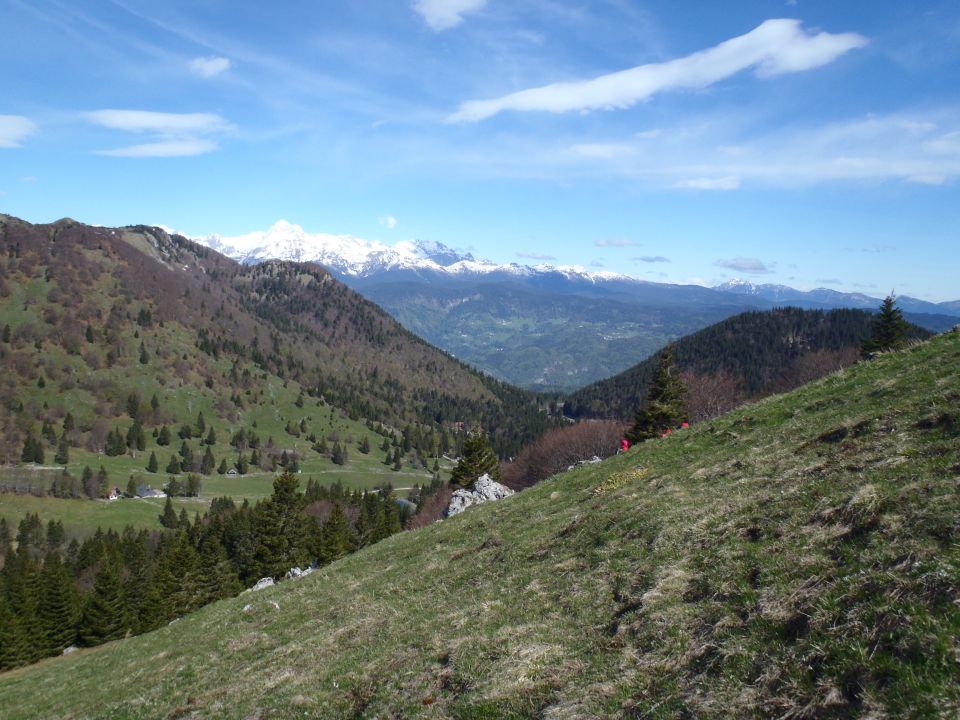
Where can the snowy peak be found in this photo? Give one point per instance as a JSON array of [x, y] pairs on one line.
[[351, 256]]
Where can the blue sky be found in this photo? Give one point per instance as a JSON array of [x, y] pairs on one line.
[[800, 142]]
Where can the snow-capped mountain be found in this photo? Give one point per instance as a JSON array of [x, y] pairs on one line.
[[826, 298], [353, 257]]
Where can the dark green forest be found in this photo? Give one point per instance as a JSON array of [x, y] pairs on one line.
[[744, 357]]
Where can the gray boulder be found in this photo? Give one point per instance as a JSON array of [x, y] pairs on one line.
[[262, 583], [485, 489]]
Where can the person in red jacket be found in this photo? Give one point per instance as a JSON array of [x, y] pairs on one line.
[[624, 445]]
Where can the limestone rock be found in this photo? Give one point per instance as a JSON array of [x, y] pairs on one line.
[[485, 489], [262, 583]]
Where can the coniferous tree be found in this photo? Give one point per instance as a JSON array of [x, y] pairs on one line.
[[666, 401], [168, 518], [889, 329], [336, 539], [69, 424], [152, 464], [63, 451], [163, 439], [13, 652], [222, 467], [173, 467], [211, 437], [208, 463], [281, 529], [59, 605], [478, 459], [104, 616], [365, 445], [6, 333]]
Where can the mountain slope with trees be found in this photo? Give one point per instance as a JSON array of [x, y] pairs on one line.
[[795, 558], [90, 316], [747, 356]]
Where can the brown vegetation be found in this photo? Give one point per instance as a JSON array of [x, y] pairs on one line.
[[558, 449]]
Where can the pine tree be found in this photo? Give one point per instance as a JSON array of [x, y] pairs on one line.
[[397, 461], [365, 445], [6, 333], [89, 334], [68, 423], [152, 464], [169, 516], [478, 459], [665, 406], [222, 467], [144, 356], [889, 329], [12, 644], [163, 439], [211, 437], [281, 529], [59, 605], [173, 467], [208, 463], [104, 616], [336, 539]]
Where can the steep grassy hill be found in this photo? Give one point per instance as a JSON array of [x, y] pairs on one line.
[[747, 356], [796, 558]]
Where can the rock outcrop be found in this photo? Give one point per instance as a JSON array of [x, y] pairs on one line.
[[485, 489]]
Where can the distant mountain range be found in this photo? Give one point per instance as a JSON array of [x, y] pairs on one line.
[[543, 327]]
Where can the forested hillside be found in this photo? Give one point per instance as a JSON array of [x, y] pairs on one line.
[[92, 316], [747, 356]]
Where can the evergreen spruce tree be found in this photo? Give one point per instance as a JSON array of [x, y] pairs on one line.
[[208, 463], [12, 644], [6, 333], [168, 518], [336, 539], [152, 464], [59, 605], [173, 467], [211, 437], [163, 439], [365, 445], [478, 459], [281, 529], [665, 406], [104, 616], [23, 588], [889, 329], [63, 451], [222, 467], [397, 460]]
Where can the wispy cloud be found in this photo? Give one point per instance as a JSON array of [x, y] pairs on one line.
[[830, 281], [174, 134], [729, 182], [445, 14], [388, 221], [164, 148], [208, 67], [158, 122], [535, 256], [653, 259], [751, 266], [773, 48], [13, 130], [616, 242]]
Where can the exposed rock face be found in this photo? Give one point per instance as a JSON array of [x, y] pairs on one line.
[[485, 489], [262, 583]]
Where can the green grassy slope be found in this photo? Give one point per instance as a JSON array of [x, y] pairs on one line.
[[796, 558]]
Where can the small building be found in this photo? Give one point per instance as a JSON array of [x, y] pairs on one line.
[[232, 472]]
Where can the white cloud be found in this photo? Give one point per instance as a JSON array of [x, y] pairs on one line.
[[158, 122], [388, 221], [13, 129], [653, 259], [751, 266], [208, 67], [445, 14], [729, 182], [602, 150], [174, 134], [616, 242], [164, 148], [773, 48]]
